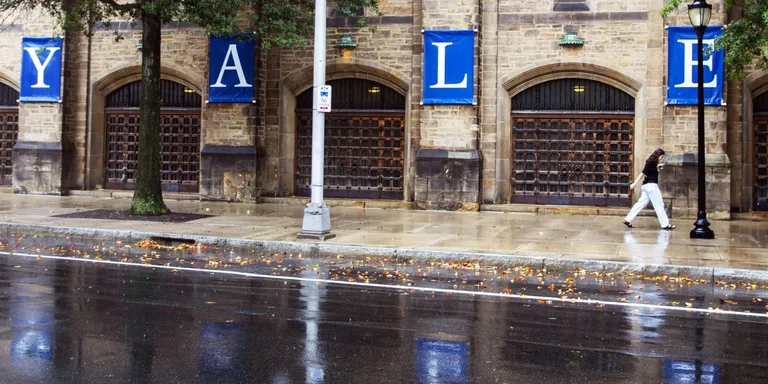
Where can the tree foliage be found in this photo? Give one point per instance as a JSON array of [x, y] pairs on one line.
[[745, 38], [284, 23]]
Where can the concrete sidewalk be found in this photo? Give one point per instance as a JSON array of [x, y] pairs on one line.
[[739, 244]]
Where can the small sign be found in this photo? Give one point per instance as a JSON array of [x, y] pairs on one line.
[[324, 98]]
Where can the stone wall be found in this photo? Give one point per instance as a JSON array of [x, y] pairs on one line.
[[37, 156], [385, 54], [248, 150], [116, 63], [680, 141]]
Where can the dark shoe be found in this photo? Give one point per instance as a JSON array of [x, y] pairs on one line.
[[627, 223], [669, 227]]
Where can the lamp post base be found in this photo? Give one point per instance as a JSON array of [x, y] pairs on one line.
[[701, 230], [317, 223]]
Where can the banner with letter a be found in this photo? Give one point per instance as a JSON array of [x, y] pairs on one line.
[[682, 80], [40, 69], [449, 63], [231, 70]]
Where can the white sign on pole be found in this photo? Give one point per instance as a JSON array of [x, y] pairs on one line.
[[324, 98]]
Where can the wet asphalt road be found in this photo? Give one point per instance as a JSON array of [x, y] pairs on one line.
[[66, 321]]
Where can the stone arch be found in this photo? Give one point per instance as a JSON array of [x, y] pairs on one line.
[[99, 91], [300, 80], [9, 80], [511, 84], [131, 73], [528, 78], [757, 82]]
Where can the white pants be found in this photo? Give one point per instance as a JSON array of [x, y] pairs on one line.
[[652, 194]]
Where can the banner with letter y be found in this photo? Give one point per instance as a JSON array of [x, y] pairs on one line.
[[40, 70]]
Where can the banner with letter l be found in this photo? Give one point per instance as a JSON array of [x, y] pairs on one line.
[[449, 67], [231, 77], [682, 79], [40, 69]]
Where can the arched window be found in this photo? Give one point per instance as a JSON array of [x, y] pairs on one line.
[[174, 95], [573, 95], [572, 143], [760, 108], [179, 136], [364, 141], [357, 94], [9, 131]]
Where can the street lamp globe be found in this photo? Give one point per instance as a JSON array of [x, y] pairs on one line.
[[699, 12]]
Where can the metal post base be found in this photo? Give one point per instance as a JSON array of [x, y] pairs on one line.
[[317, 223], [701, 229]]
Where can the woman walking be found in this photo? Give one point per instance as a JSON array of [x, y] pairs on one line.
[[651, 192]]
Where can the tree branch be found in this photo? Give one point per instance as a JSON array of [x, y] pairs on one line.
[[121, 7]]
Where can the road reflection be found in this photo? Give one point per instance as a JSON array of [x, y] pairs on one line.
[[75, 322]]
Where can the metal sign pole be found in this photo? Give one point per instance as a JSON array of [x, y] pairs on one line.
[[317, 216]]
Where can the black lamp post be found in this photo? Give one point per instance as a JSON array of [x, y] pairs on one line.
[[699, 12]]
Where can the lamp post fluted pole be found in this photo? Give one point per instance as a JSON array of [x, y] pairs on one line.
[[317, 216], [701, 228]]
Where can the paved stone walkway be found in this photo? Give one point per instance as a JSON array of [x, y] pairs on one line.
[[739, 244]]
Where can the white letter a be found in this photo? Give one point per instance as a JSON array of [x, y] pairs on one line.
[[236, 67]]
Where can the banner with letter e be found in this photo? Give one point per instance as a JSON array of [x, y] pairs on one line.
[[449, 67], [40, 70], [682, 71], [231, 67]]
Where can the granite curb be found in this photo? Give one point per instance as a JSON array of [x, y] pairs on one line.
[[706, 274]]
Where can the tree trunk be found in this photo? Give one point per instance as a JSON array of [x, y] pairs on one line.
[[148, 197]]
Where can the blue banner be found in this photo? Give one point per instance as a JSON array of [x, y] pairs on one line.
[[449, 63], [682, 83], [685, 372], [440, 361], [40, 69], [231, 70]]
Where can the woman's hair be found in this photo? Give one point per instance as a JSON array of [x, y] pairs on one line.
[[655, 155]]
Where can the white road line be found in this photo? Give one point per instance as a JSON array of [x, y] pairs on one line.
[[401, 287]]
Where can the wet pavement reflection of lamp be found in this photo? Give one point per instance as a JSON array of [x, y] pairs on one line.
[[699, 12]]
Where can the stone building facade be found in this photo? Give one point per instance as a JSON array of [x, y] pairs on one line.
[[527, 138]]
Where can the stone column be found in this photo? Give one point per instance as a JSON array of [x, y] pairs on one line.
[[228, 169], [37, 156], [495, 153], [75, 102], [679, 179], [448, 163]]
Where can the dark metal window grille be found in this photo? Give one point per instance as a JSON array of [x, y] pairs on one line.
[[584, 160], [760, 104], [357, 94], [571, 6], [174, 95], [761, 163], [568, 95], [364, 141], [9, 97], [364, 155], [179, 130], [180, 147], [9, 131]]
